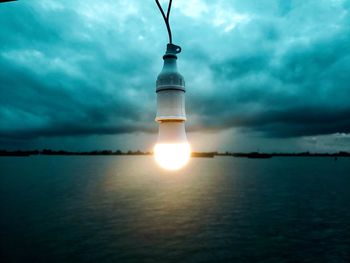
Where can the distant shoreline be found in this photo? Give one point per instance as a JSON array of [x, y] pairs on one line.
[[253, 155]]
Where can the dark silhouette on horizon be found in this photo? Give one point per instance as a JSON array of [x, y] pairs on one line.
[[253, 155]]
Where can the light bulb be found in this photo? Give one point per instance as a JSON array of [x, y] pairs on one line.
[[172, 150]]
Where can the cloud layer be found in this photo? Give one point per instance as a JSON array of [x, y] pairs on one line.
[[70, 68]]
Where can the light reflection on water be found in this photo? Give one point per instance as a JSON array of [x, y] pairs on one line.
[[113, 209]]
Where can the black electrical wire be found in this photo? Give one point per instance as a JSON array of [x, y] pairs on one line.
[[166, 18]]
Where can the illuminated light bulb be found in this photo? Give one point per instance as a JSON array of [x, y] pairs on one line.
[[172, 150]]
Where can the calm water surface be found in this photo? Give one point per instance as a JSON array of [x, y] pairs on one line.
[[125, 209]]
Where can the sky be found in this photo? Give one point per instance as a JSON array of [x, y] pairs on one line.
[[260, 75]]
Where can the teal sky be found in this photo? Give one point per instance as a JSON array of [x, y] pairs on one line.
[[267, 75]]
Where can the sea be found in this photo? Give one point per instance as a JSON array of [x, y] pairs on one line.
[[127, 209]]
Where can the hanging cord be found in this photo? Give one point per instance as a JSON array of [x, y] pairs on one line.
[[166, 18]]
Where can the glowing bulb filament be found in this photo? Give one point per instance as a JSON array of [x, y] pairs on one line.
[[172, 156]]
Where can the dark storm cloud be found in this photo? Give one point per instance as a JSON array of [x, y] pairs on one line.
[[306, 92], [283, 83], [80, 68], [56, 83]]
